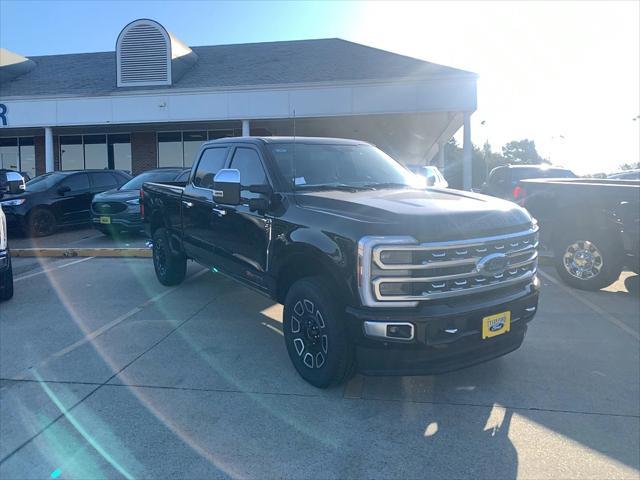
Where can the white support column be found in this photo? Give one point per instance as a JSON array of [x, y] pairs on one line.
[[48, 149], [467, 167], [246, 128], [441, 156]]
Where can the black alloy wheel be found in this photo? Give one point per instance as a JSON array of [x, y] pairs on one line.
[[315, 333]]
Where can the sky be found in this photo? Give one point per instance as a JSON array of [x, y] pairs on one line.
[[564, 74]]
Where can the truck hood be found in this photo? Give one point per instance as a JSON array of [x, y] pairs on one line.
[[428, 215]]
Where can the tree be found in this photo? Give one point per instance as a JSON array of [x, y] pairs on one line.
[[630, 166], [522, 152]]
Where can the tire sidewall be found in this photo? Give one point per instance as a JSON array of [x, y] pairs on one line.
[[339, 356], [612, 263], [174, 264]]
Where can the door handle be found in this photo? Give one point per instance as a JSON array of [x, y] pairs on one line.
[[218, 211], [187, 204]]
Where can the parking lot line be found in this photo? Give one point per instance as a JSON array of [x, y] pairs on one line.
[[607, 316], [47, 270]]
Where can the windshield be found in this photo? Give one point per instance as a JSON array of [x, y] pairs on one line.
[[43, 182], [156, 176], [307, 166]]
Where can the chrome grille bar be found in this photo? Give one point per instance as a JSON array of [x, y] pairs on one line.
[[457, 268]]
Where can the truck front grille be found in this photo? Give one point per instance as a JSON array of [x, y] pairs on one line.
[[400, 270]]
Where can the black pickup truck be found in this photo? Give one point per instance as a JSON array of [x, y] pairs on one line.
[[374, 272], [592, 226]]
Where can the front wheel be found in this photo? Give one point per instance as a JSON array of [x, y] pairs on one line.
[[170, 266], [315, 333], [587, 260]]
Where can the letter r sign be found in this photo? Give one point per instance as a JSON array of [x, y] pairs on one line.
[[3, 114]]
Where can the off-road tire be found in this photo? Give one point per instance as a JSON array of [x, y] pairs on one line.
[[170, 266]]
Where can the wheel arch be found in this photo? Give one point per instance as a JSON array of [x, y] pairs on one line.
[[306, 262]]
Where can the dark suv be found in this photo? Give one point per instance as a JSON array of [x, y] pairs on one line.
[[58, 198], [503, 180]]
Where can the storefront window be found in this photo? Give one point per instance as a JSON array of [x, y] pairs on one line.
[[170, 149], [95, 151], [9, 153], [71, 152], [27, 156], [120, 150], [192, 142]]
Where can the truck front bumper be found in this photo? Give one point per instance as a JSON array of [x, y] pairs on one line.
[[445, 336]]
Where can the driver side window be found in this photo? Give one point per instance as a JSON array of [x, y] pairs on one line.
[[211, 161], [247, 161]]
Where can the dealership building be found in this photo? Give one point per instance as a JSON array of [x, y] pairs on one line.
[[153, 101]]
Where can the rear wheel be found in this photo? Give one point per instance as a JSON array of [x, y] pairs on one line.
[[6, 282], [170, 266], [41, 222], [587, 260], [315, 333]]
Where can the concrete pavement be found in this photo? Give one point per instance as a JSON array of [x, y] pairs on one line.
[[105, 373]]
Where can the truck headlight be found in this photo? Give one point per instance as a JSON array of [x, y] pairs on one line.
[[13, 203]]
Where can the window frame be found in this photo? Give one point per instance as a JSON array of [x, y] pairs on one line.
[[194, 169], [261, 158]]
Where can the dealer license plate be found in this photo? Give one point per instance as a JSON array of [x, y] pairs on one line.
[[495, 325], [105, 220]]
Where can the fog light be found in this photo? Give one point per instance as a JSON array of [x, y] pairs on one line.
[[402, 331], [399, 331]]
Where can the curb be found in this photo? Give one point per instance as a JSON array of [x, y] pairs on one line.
[[82, 252]]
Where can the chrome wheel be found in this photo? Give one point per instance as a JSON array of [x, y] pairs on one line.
[[309, 333], [583, 260]]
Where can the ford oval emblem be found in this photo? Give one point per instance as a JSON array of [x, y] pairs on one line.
[[493, 264]]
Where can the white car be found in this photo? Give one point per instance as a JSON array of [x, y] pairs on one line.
[[432, 174]]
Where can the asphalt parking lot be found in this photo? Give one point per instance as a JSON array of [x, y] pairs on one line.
[[106, 373]]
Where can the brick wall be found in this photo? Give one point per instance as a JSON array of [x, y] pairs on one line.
[[144, 151]]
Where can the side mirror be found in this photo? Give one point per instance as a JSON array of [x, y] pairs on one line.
[[15, 183], [226, 187], [64, 189]]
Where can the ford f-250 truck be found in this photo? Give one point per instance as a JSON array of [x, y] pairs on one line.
[[374, 272], [592, 226]]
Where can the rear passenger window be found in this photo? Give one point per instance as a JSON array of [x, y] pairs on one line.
[[247, 161], [103, 181], [76, 183], [211, 161]]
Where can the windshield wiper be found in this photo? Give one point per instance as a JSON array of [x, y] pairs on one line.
[[375, 186], [333, 186]]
